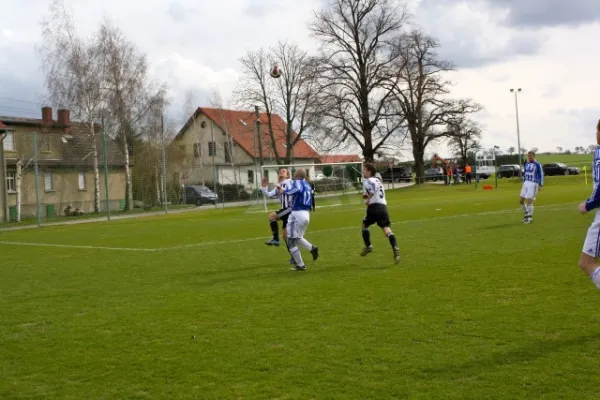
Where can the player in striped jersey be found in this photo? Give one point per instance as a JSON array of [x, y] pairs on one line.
[[377, 212], [533, 181], [588, 261], [284, 212]]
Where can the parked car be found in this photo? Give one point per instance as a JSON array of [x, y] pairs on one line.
[[509, 171], [198, 195], [397, 174], [434, 174], [559, 169]]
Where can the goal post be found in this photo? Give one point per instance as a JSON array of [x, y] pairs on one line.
[[335, 183]]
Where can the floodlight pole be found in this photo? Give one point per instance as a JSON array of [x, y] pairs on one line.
[[518, 129], [496, 165], [164, 162]]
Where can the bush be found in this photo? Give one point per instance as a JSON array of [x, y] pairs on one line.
[[229, 192]]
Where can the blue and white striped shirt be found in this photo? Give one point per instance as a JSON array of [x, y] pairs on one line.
[[301, 195], [594, 200], [534, 173]]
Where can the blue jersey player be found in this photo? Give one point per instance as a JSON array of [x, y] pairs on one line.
[[588, 261], [533, 181], [301, 203]]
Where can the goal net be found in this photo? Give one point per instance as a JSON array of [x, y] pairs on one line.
[[335, 184]]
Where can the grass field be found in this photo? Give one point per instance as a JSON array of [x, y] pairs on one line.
[[195, 306]]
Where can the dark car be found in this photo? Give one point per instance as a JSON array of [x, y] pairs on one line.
[[198, 195], [397, 174], [509, 171], [434, 174], [559, 169]]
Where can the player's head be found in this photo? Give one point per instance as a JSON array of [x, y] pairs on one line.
[[369, 170], [598, 132], [284, 174], [300, 174], [531, 156]]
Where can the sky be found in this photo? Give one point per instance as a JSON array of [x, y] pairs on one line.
[[545, 47]]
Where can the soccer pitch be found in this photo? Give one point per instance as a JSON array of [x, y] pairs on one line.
[[195, 306]]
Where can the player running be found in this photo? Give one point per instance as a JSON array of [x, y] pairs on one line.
[[377, 212], [533, 181], [284, 212], [301, 204], [591, 247]]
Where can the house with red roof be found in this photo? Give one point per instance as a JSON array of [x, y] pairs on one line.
[[222, 145]]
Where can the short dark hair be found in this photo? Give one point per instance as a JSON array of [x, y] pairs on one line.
[[531, 152], [371, 168]]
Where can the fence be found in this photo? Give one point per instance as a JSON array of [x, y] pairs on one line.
[[65, 177]]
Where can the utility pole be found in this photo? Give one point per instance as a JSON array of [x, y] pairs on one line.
[[105, 154], [258, 136], [518, 130]]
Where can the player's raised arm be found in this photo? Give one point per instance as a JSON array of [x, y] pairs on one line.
[[265, 189]]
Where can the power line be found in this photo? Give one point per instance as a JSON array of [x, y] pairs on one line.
[[20, 101]]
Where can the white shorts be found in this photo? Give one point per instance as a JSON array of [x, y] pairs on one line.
[[529, 190], [298, 224], [591, 246]]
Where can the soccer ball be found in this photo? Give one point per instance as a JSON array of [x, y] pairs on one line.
[[275, 72]]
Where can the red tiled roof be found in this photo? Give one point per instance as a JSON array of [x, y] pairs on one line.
[[340, 158], [2, 126], [240, 125]]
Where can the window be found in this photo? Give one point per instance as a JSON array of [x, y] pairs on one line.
[[45, 143], [48, 182], [82, 183], [212, 149], [197, 150], [250, 176], [11, 181], [228, 154], [9, 141]]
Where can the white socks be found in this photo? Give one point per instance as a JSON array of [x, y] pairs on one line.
[[530, 210], [524, 207], [596, 277], [305, 243], [295, 252]]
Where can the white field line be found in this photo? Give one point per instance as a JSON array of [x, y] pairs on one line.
[[551, 207]]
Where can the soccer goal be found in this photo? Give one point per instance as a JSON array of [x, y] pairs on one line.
[[335, 184]]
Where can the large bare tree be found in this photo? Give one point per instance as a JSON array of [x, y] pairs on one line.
[[293, 96], [359, 70], [423, 93], [74, 76], [131, 94], [464, 136]]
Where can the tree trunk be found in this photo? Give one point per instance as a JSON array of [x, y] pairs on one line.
[[18, 179], [418, 154], [128, 188], [96, 173]]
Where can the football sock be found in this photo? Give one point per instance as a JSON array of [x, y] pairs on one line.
[[596, 277], [295, 251], [275, 229], [524, 207], [366, 237], [392, 239], [530, 210], [305, 243], [288, 246]]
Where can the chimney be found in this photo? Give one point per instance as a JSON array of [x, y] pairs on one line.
[[64, 120], [47, 115]]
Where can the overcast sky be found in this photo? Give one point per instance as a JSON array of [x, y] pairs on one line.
[[546, 47]]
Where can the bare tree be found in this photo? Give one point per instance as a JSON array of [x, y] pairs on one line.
[[560, 149], [74, 76], [358, 73], [463, 135], [591, 148], [423, 93], [511, 150], [131, 95]]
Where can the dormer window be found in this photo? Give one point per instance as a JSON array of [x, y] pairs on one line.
[[9, 141]]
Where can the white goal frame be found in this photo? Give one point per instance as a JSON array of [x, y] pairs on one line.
[[309, 167]]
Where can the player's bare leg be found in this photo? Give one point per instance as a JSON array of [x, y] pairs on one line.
[[366, 235], [273, 222], [589, 266], [392, 238]]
